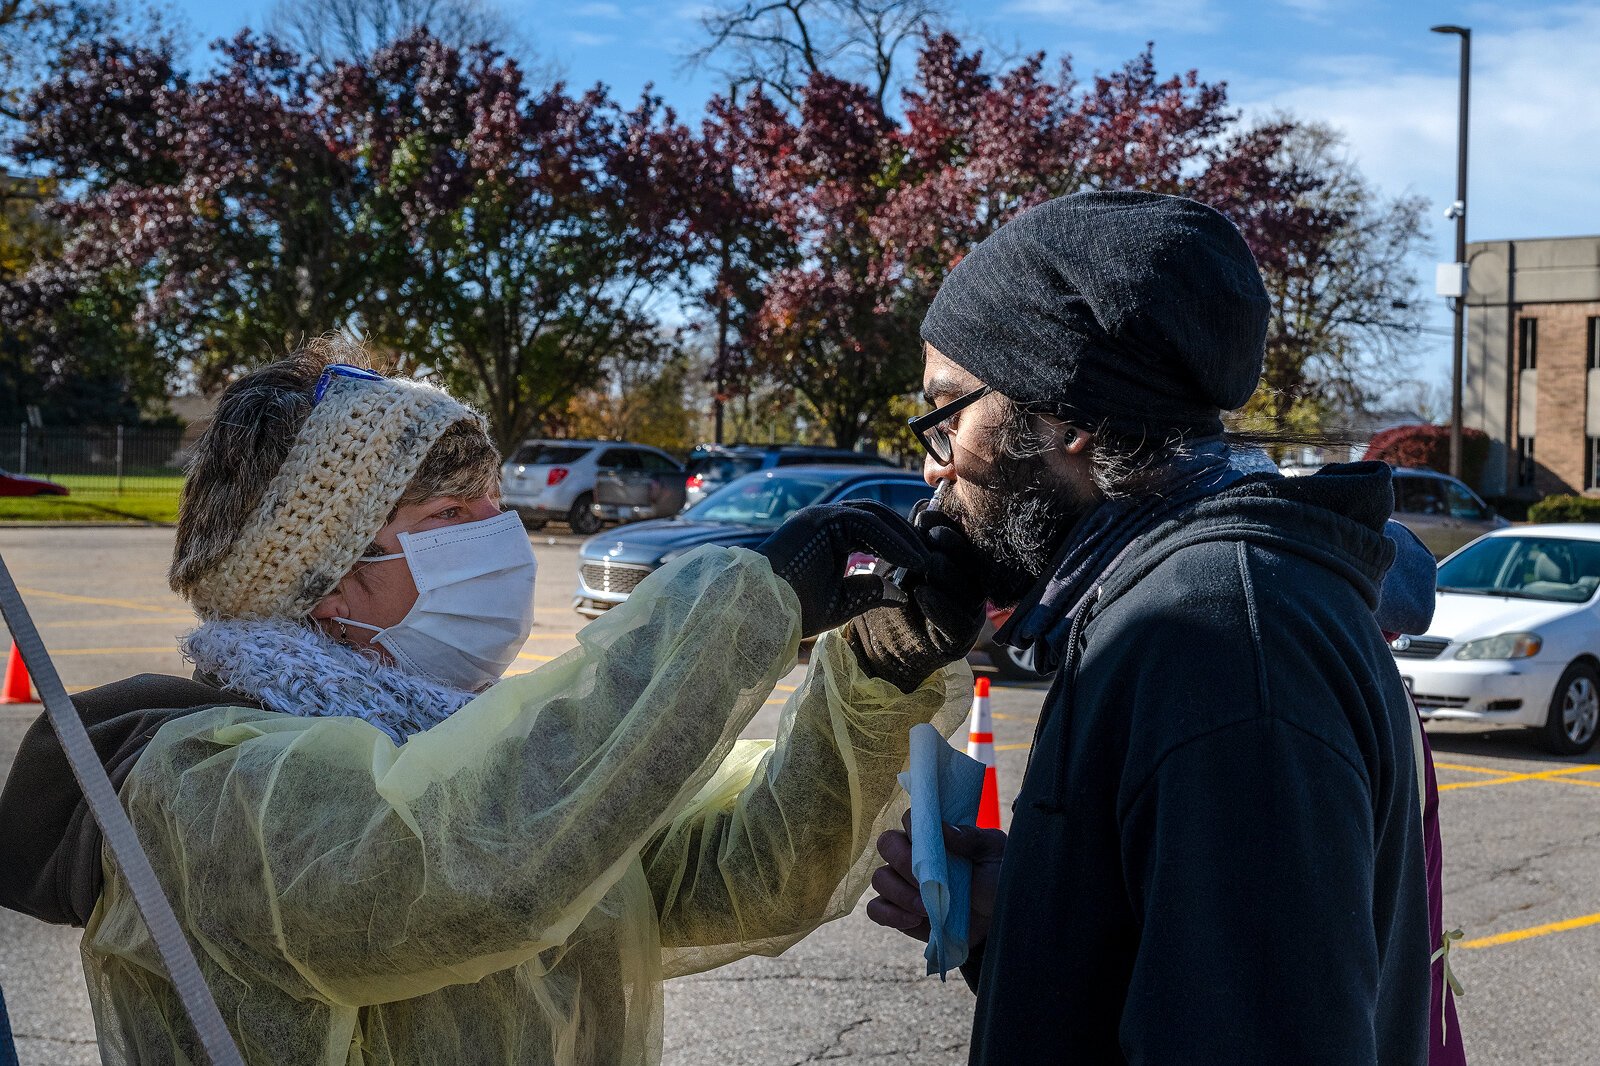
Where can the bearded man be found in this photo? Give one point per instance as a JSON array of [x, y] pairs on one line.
[[1216, 853]]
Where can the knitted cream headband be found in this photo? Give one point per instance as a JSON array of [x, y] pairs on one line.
[[359, 448]]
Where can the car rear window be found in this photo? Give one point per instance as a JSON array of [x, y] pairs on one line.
[[759, 500], [723, 467], [549, 454], [859, 458]]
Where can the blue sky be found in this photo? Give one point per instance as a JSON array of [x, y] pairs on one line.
[[1370, 68]]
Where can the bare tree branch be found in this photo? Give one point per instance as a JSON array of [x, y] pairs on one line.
[[780, 44], [330, 30]]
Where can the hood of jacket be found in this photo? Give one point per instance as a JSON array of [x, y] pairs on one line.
[[1335, 517]]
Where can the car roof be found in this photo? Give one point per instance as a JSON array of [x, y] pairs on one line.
[[1561, 530], [839, 471], [589, 441], [763, 449]]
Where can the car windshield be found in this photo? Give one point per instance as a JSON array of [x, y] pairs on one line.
[[549, 454], [758, 500], [721, 468], [1525, 568]]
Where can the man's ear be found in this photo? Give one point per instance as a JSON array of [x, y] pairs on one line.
[[1075, 440]]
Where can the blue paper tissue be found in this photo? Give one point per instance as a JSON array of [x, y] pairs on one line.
[[945, 786]]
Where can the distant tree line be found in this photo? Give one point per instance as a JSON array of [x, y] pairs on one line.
[[570, 261]]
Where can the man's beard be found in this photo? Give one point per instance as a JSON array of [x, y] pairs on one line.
[[1016, 523]]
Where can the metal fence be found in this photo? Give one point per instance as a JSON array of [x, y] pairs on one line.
[[97, 460]]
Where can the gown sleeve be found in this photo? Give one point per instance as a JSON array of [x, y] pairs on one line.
[[317, 855]]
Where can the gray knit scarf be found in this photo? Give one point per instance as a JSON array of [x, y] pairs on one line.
[[296, 669]]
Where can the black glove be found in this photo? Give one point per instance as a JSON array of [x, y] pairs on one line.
[[941, 618], [812, 550]]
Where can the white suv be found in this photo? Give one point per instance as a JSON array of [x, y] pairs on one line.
[[554, 479]]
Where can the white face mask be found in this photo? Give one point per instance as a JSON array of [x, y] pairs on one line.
[[474, 606]]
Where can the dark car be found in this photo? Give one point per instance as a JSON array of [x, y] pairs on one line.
[[643, 485], [743, 513], [1443, 513], [555, 479], [23, 485], [712, 466]]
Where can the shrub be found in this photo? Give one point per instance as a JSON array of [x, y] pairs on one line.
[[1565, 509], [1429, 446]]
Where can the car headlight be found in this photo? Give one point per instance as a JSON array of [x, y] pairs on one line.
[[1505, 646]]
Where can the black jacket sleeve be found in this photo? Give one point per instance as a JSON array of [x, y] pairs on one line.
[[1249, 855], [49, 842]]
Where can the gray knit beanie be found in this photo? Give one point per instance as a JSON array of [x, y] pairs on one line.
[[1140, 312]]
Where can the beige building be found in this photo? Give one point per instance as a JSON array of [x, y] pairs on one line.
[[1533, 363]]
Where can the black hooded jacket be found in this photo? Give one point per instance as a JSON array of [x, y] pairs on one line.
[[1216, 855]]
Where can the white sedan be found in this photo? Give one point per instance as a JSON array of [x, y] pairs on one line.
[[1515, 638]]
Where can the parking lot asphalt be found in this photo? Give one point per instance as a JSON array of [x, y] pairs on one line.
[[1521, 837]]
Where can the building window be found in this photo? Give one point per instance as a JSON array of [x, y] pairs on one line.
[[1591, 473], [1594, 344], [1528, 344], [1524, 461]]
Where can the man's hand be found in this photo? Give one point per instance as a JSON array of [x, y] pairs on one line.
[[813, 548], [940, 620], [899, 903]]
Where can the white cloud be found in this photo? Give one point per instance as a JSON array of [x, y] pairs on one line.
[[1129, 16], [591, 40], [1534, 137], [610, 12], [1533, 141]]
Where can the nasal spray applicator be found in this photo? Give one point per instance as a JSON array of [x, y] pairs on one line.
[[894, 582]]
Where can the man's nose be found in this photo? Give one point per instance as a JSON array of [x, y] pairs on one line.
[[933, 471]]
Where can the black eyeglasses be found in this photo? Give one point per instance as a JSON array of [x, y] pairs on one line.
[[341, 370], [931, 428]]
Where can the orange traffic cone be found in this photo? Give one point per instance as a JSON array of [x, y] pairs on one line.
[[980, 745], [18, 688]]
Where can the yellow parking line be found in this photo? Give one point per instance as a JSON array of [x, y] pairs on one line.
[[1575, 781], [1545, 775], [128, 605], [1015, 717], [1527, 934], [1012, 747], [1437, 765], [536, 658], [1480, 784], [552, 636], [784, 688]]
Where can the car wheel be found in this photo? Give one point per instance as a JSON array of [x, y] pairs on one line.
[[1574, 716], [533, 525], [581, 518], [1011, 664]]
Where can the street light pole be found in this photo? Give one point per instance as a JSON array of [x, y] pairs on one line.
[[1459, 211]]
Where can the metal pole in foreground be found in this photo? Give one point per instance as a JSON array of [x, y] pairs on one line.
[[1459, 209]]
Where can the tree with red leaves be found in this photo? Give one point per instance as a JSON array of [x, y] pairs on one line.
[[507, 239], [878, 209]]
